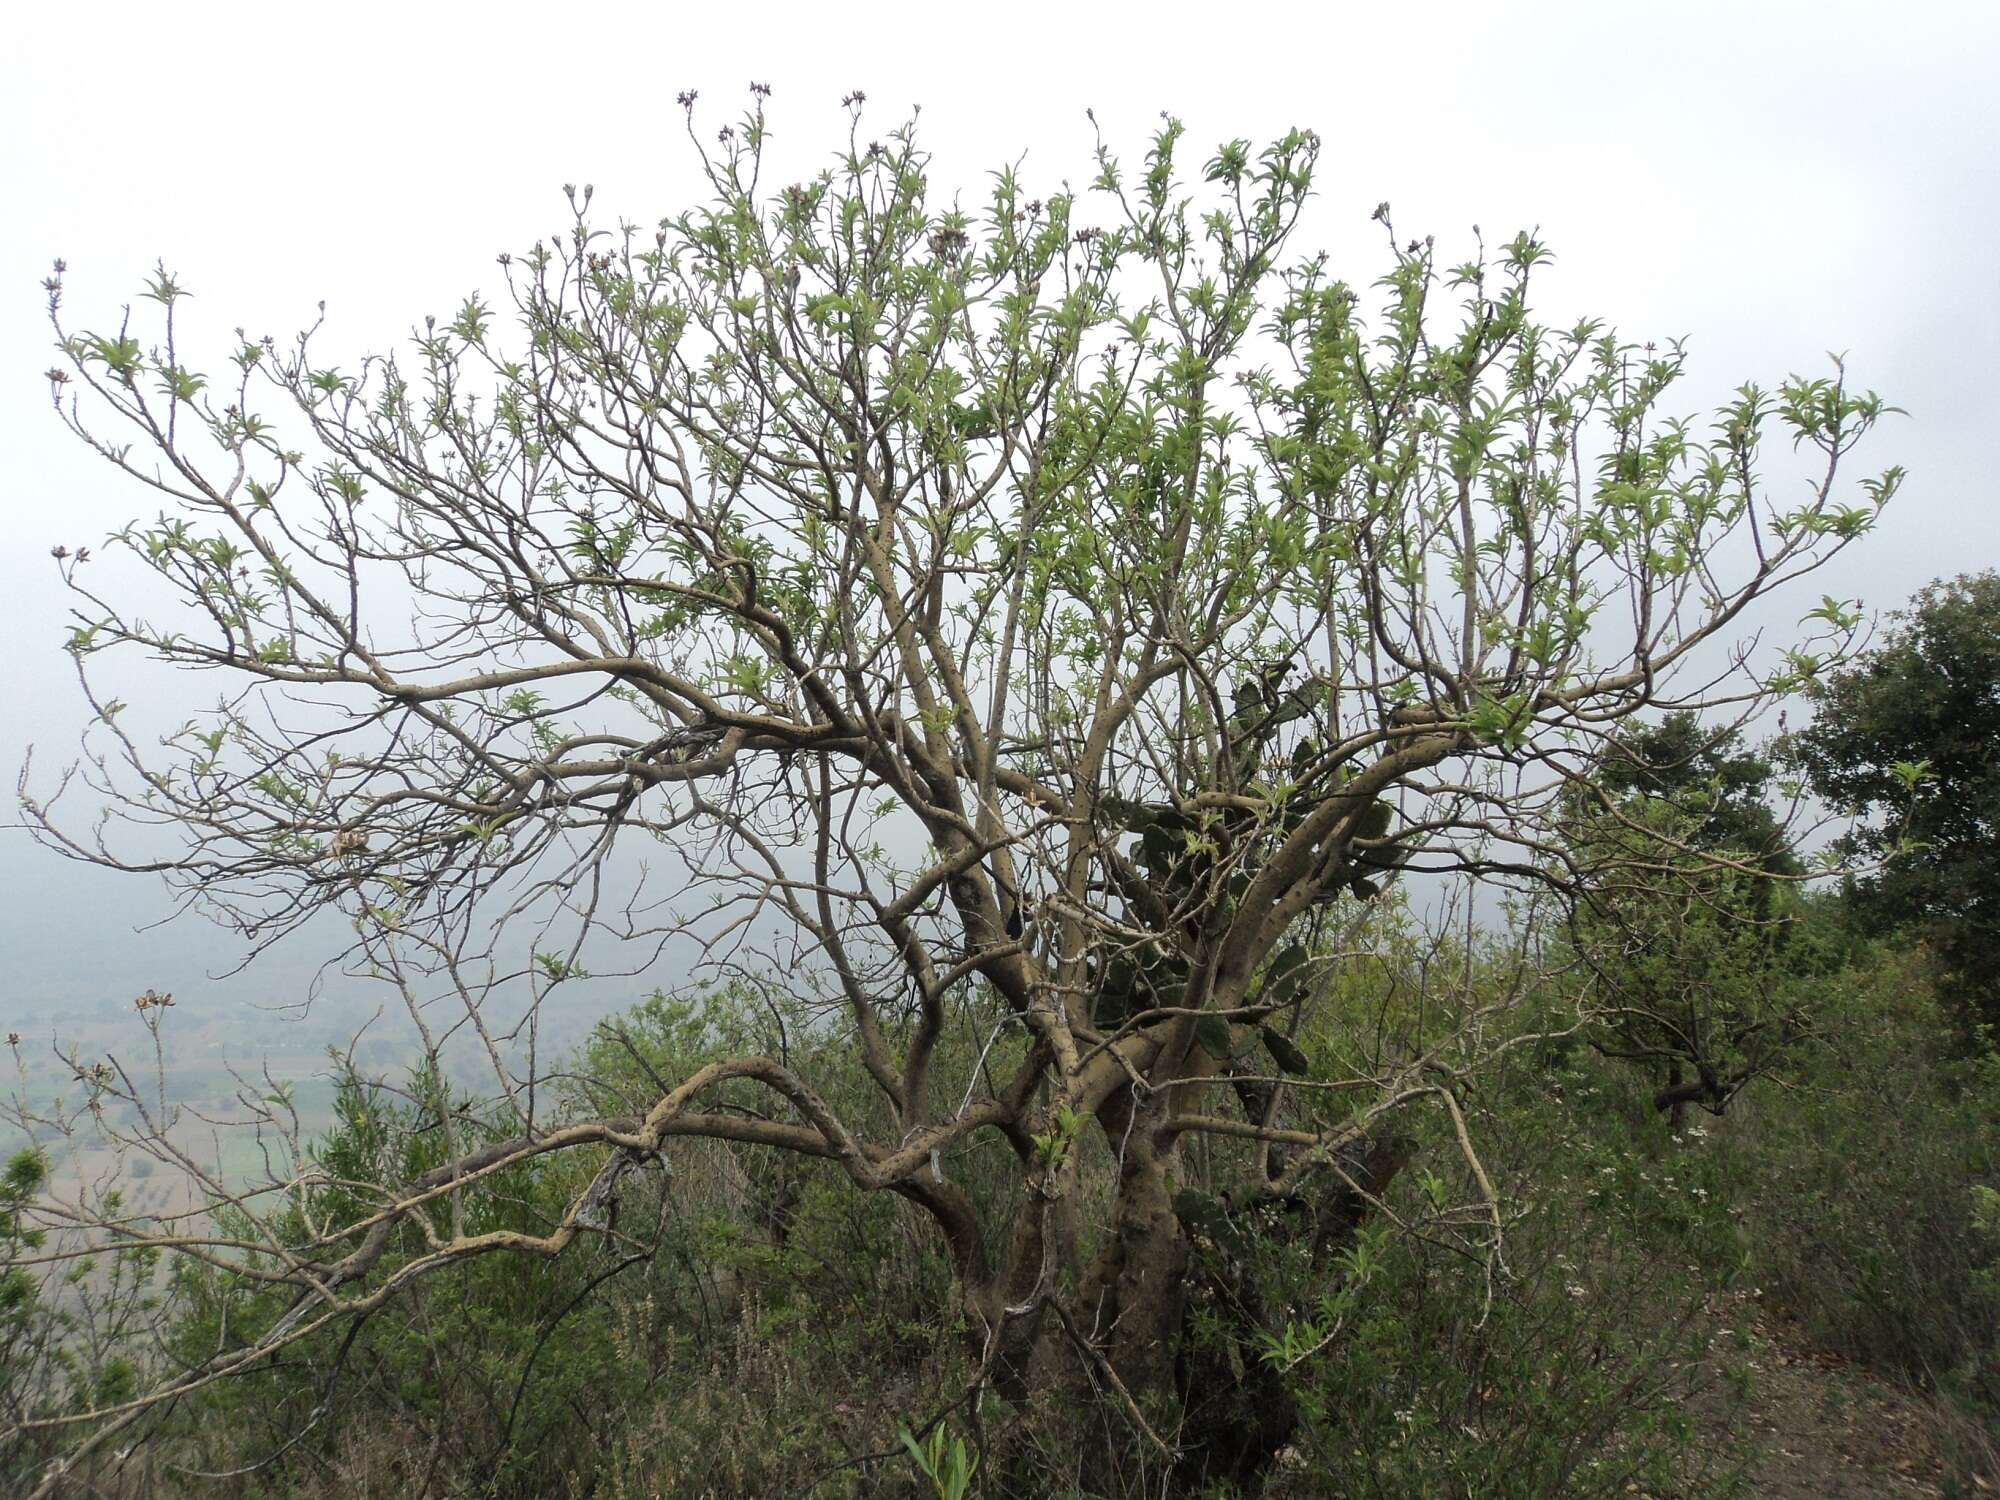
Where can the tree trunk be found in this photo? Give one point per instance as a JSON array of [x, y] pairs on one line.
[[1225, 1411], [1131, 1308], [1674, 1099], [1141, 1298]]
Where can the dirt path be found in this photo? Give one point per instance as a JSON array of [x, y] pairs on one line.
[[1814, 1426]]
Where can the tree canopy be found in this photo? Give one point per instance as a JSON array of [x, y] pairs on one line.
[[1712, 778], [1903, 739], [1685, 935], [1026, 636]]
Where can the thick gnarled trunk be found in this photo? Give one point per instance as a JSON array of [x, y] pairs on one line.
[[1136, 1297], [1167, 1405]]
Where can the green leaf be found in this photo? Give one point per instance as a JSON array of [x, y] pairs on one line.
[[1285, 1052], [1284, 976], [1909, 773], [1374, 822], [1214, 1036]]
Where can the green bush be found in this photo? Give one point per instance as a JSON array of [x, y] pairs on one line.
[[1573, 1373], [743, 1283], [765, 1344], [1862, 1186]]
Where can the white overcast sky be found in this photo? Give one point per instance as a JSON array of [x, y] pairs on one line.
[[1773, 181]]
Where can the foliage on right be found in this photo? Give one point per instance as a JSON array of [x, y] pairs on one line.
[[1694, 954], [1905, 740]]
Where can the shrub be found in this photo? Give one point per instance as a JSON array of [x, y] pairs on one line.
[[1863, 1188]]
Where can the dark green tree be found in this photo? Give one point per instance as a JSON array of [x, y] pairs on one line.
[[1721, 787], [1688, 913], [1905, 740]]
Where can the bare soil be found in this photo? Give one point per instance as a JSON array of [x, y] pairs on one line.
[[1814, 1426]]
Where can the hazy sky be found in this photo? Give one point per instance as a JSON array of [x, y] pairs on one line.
[[1773, 181]]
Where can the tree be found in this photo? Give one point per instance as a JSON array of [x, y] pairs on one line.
[[1685, 943], [1682, 959], [1029, 637], [1902, 740], [1721, 789]]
